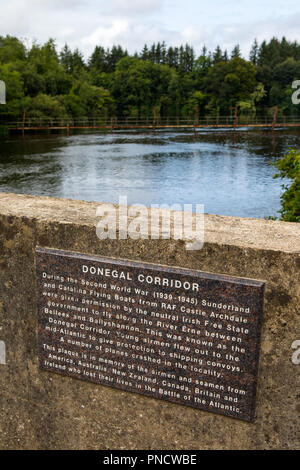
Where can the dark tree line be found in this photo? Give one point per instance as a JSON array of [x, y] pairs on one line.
[[161, 80]]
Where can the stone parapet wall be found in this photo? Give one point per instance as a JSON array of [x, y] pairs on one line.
[[42, 410]]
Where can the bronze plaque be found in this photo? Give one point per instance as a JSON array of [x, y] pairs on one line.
[[180, 335]]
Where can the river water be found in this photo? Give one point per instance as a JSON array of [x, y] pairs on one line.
[[230, 173]]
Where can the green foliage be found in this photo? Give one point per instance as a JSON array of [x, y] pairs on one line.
[[87, 100], [13, 81], [289, 167], [11, 50], [14, 90], [160, 80], [45, 84], [44, 105], [138, 86], [194, 104], [230, 82], [249, 106]]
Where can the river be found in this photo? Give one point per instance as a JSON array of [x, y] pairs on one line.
[[230, 173]]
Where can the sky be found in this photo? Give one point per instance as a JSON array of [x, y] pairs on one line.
[[132, 23]]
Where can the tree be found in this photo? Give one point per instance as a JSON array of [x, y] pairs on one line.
[[254, 52], [78, 64], [73, 62], [165, 78], [98, 60], [11, 50], [269, 54], [217, 55], [34, 83], [66, 59], [145, 53], [286, 72], [236, 52], [249, 106], [44, 58], [138, 86], [113, 57], [194, 104], [45, 106], [225, 56], [227, 83], [85, 100], [289, 167], [14, 90]]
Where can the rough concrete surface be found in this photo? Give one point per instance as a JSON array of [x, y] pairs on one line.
[[41, 410]]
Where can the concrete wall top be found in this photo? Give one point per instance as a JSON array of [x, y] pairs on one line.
[[241, 232]]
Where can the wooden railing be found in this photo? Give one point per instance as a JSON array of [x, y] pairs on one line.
[[148, 122]]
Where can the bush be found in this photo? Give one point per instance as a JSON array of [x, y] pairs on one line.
[[289, 167]]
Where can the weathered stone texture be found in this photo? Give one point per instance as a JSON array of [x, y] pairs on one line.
[[41, 410]]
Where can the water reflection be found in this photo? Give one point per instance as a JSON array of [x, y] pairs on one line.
[[230, 173]]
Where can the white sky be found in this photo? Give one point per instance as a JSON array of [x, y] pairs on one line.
[[132, 23]]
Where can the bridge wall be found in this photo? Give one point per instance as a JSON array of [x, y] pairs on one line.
[[41, 410]]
